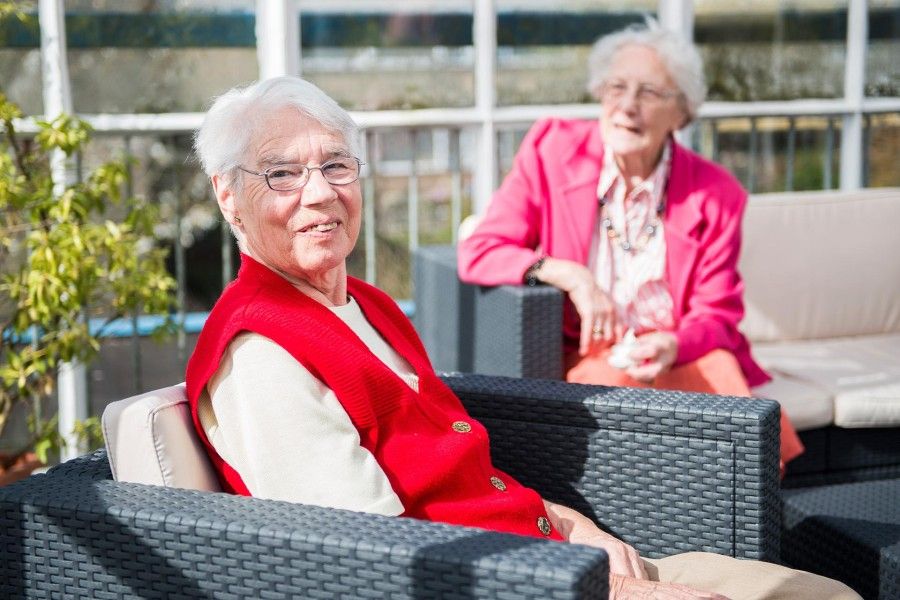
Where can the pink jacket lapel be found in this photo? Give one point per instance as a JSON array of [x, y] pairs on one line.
[[580, 168], [681, 219]]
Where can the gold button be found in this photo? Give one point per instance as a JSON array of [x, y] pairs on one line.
[[498, 483], [461, 427], [543, 524]]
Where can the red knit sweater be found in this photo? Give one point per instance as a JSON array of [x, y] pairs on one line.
[[436, 457]]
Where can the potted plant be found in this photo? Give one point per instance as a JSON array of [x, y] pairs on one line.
[[71, 262]]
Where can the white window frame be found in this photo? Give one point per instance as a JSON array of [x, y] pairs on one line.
[[278, 52]]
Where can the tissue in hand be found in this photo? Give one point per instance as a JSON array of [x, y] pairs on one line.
[[618, 356]]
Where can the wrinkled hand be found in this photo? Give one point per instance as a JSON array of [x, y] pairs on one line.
[[623, 559], [594, 306], [654, 354], [626, 588], [578, 529]]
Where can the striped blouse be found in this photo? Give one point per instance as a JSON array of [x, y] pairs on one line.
[[635, 279]]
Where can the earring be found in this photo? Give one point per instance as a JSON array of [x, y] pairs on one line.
[[237, 220]]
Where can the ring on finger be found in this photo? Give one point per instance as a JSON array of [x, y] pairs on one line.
[[597, 330]]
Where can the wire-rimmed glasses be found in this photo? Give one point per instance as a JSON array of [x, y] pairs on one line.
[[290, 177], [615, 90]]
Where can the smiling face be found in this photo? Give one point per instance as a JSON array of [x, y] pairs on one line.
[[305, 234], [637, 129]]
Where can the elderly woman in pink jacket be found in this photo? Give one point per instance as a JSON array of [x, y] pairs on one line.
[[641, 233]]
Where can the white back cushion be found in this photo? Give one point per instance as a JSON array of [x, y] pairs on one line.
[[150, 439], [821, 264]]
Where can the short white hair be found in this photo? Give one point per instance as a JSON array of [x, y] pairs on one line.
[[234, 119], [680, 57]]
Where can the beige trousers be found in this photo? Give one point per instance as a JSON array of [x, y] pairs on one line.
[[745, 579]]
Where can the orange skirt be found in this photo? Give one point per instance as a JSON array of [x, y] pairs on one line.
[[715, 373]]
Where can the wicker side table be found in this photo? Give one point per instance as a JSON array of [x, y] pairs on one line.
[[850, 532]]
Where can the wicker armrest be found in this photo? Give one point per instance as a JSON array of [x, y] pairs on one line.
[[68, 535], [667, 471], [505, 330]]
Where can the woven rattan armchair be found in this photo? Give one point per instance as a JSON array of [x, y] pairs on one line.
[[510, 330], [669, 472]]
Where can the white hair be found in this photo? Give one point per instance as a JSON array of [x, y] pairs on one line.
[[680, 57], [234, 119]]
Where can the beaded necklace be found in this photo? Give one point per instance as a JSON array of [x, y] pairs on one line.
[[649, 230]]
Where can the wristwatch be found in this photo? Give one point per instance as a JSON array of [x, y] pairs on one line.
[[529, 277]]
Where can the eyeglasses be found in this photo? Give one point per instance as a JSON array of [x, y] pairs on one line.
[[615, 90], [287, 178]]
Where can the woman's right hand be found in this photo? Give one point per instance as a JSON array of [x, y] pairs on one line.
[[594, 306], [628, 588]]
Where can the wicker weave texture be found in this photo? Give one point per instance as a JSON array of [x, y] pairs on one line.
[[508, 330], [518, 331], [840, 455], [444, 308], [67, 535], [93, 466], [849, 532], [667, 471]]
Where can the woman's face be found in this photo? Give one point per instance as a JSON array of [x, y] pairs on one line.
[[305, 233], [640, 104]]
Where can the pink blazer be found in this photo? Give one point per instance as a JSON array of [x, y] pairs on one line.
[[548, 205]]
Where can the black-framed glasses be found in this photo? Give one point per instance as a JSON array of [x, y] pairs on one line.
[[614, 90], [287, 178]]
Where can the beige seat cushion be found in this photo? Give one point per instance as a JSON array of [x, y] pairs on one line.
[[807, 405], [150, 439], [862, 374]]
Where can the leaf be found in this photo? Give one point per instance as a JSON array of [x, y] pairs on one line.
[[62, 256]]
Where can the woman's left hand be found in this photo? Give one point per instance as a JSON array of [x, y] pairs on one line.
[[655, 353], [623, 559], [578, 529]]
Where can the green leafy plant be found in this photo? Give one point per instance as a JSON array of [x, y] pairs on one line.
[[78, 256]]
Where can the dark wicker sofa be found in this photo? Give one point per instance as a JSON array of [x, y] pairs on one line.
[[516, 331], [665, 472], [843, 490]]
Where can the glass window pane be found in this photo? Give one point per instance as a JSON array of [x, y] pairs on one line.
[[163, 172], [21, 79], [376, 58], [772, 50], [773, 154], [131, 57], [883, 148], [882, 66], [440, 184], [542, 47], [20, 62]]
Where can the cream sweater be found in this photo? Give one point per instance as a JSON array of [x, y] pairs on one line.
[[286, 434]]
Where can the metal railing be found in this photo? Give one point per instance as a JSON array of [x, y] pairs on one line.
[[426, 147], [480, 140]]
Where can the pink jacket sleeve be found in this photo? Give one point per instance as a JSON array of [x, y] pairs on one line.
[[714, 302], [504, 244]]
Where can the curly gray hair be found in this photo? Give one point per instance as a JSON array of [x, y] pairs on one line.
[[234, 117], [681, 58]]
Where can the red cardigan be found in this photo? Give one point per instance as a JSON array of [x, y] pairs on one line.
[[548, 204], [436, 456]]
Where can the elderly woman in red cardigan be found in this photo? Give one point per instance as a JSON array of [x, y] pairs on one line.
[[310, 386], [642, 234]]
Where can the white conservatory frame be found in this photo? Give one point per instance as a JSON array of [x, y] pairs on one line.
[[278, 54]]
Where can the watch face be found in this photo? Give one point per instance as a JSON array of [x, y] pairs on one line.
[[529, 277]]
